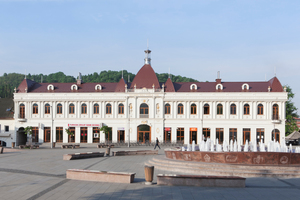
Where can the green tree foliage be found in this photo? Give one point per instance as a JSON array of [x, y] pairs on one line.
[[291, 113], [12, 80]]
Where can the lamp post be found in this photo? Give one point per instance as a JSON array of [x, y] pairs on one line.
[[51, 136], [128, 126]]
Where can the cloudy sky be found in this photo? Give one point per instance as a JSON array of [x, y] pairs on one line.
[[246, 40]]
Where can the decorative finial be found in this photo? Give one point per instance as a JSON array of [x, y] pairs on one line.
[[147, 55]]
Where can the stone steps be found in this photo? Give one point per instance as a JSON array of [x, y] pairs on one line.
[[216, 169]]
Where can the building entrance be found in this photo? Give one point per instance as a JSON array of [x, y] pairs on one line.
[[167, 135], [193, 135], [144, 133], [121, 135], [47, 131]]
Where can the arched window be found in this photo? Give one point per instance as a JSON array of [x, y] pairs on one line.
[[260, 109], [180, 109], [167, 109], [59, 108], [83, 108], [71, 109], [246, 109], [275, 112], [35, 109], [47, 108], [206, 109], [121, 108], [108, 108], [219, 109], [22, 111], [276, 135], [193, 109], [96, 108], [144, 111], [233, 109]]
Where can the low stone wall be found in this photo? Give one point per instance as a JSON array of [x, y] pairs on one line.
[[82, 155], [202, 181], [139, 152], [245, 158], [100, 176]]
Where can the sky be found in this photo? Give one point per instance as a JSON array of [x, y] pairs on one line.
[[246, 40]]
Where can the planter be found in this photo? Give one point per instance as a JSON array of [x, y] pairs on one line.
[[149, 171], [13, 144]]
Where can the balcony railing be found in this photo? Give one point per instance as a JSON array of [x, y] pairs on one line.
[[21, 118], [144, 115], [276, 119]]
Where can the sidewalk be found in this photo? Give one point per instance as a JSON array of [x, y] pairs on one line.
[[40, 174]]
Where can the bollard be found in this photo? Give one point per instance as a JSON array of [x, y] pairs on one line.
[[107, 151], [149, 171]]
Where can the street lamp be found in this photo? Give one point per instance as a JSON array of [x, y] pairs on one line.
[[129, 126], [51, 136]]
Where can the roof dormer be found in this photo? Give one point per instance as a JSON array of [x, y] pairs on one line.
[[193, 87], [74, 87], [98, 87], [50, 87], [219, 87], [245, 87]]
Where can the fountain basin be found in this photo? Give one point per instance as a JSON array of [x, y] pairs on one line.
[[239, 158]]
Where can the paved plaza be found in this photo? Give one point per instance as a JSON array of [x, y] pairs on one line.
[[40, 174]]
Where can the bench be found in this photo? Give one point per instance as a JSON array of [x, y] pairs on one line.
[[202, 181], [105, 145], [100, 176], [65, 146], [138, 152], [33, 146], [82, 155]]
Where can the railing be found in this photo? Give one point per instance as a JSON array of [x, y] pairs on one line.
[[21, 118], [144, 115]]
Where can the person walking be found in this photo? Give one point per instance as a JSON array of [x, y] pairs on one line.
[[156, 144]]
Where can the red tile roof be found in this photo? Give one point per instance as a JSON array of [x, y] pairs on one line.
[[146, 77], [169, 87], [120, 86]]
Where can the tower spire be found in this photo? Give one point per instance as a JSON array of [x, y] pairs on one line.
[[147, 55]]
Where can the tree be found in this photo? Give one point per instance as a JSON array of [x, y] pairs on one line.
[[106, 131], [291, 113]]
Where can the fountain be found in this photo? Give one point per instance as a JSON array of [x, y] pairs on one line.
[[252, 153]]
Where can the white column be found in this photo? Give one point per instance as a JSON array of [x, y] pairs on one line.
[[77, 134], [90, 135]]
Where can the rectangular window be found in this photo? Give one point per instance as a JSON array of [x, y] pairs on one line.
[[220, 135], [246, 135], [59, 134], [35, 134], [260, 135], [180, 135], [96, 135], [6, 128], [232, 134], [206, 133], [71, 138]]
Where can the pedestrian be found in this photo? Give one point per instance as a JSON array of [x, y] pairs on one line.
[[156, 144]]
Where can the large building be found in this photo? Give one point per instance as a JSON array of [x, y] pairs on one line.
[[144, 109]]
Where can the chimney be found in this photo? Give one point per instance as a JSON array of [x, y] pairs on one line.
[[218, 80], [79, 80]]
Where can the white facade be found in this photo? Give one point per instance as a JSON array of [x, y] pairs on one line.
[[157, 119], [7, 131]]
